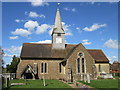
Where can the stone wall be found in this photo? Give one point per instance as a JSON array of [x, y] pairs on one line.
[[52, 69], [89, 62], [53, 66], [104, 68]]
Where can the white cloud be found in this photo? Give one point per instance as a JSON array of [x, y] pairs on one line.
[[112, 58], [18, 20], [69, 9], [66, 27], [94, 27], [34, 14], [45, 41], [73, 10], [14, 50], [30, 25], [7, 55], [21, 32], [51, 30], [13, 37], [112, 44], [77, 28], [38, 3], [43, 28], [86, 42]]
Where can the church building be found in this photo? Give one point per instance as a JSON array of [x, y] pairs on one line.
[[59, 60]]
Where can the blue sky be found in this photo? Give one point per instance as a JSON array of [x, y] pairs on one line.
[[93, 24]]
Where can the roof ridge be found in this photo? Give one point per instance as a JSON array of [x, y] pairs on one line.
[[38, 43], [94, 49], [71, 52]]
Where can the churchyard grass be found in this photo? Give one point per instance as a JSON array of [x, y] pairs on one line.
[[39, 84], [102, 83]]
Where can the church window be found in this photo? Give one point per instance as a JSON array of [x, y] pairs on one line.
[[42, 68], [99, 68], [45, 67], [80, 54], [58, 34], [78, 65], [60, 67], [83, 68]]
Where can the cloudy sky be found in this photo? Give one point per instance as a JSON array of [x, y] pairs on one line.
[[93, 24]]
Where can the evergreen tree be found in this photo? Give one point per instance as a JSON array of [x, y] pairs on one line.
[[13, 66]]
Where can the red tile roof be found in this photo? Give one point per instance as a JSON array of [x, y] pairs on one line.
[[98, 55]]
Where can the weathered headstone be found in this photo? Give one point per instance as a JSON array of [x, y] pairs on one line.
[[81, 77], [85, 78], [7, 82], [88, 78]]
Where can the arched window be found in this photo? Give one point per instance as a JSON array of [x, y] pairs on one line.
[[80, 54], [45, 67], [99, 68], [42, 68], [78, 65], [60, 68], [83, 68]]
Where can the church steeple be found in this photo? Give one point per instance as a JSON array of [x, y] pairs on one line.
[[58, 23], [58, 34]]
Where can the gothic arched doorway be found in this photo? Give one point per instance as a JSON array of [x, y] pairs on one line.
[[28, 76]]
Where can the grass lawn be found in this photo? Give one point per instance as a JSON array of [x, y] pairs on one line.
[[39, 84], [103, 83]]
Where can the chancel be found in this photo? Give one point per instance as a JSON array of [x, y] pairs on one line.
[[59, 60]]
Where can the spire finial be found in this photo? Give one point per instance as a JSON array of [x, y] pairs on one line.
[[58, 6]]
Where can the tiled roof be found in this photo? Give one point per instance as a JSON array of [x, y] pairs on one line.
[[98, 55], [115, 66], [36, 50]]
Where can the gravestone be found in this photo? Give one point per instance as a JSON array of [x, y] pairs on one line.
[[85, 78], [7, 82], [81, 77], [88, 78]]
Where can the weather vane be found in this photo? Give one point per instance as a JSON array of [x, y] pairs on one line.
[[58, 5]]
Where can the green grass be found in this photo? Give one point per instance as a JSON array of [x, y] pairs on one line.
[[39, 84], [116, 77], [103, 83]]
